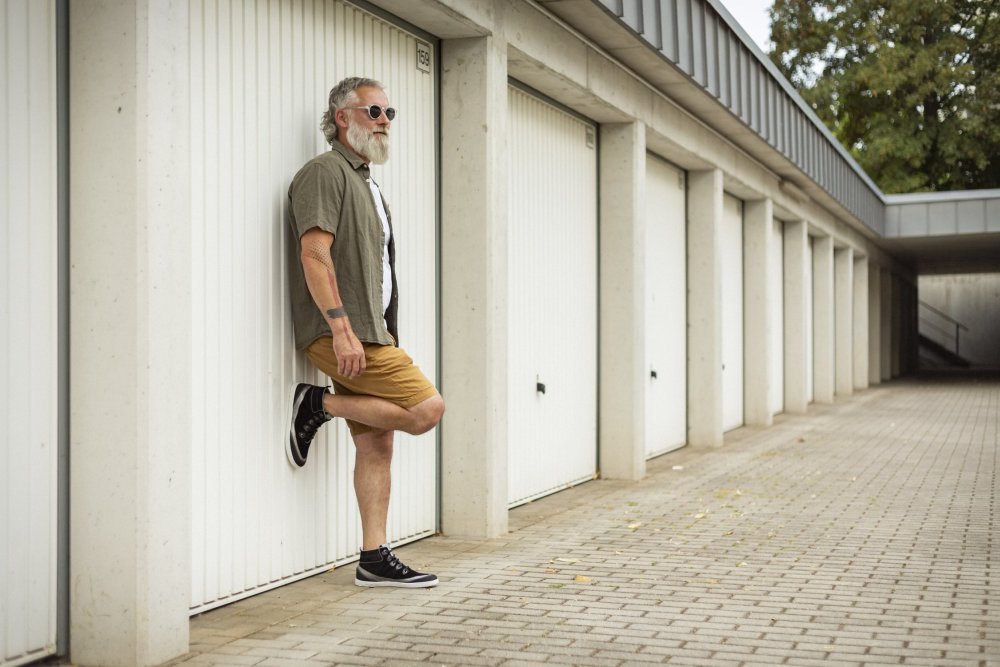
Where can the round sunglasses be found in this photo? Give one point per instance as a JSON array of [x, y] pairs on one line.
[[374, 111]]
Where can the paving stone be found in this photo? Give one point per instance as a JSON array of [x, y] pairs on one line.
[[448, 659], [288, 653]]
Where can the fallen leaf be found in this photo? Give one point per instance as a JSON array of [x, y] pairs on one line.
[[580, 579], [633, 526], [551, 570], [567, 560], [727, 533], [678, 468], [742, 564], [699, 515]]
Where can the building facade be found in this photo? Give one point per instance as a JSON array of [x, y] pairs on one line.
[[620, 232]]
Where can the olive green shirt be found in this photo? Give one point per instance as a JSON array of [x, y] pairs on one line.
[[331, 192]]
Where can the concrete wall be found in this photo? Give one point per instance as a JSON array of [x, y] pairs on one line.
[[973, 300]]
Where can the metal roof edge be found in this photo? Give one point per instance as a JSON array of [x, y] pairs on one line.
[[941, 197]]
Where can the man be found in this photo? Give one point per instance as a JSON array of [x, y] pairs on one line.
[[344, 304]]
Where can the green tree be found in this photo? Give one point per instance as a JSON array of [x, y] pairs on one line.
[[910, 87]]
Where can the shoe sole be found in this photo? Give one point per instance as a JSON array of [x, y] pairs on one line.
[[291, 428], [395, 584]]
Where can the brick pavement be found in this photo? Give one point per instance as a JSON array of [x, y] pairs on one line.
[[859, 534]]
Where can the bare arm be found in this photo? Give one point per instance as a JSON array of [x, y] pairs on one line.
[[321, 278]]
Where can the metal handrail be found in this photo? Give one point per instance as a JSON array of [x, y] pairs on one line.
[[951, 320], [944, 315]]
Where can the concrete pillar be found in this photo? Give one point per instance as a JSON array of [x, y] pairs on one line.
[[474, 286], [623, 301], [705, 308], [912, 328], [797, 258], [860, 333], [843, 279], [758, 257], [874, 324], [824, 327], [130, 352], [896, 326], [886, 318]]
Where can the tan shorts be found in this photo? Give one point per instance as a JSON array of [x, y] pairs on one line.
[[389, 374]]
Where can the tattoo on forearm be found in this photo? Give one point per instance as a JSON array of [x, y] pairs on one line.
[[334, 313]]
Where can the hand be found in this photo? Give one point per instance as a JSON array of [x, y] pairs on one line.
[[350, 354]]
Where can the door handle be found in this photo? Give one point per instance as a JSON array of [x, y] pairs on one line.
[[540, 387], [652, 374]]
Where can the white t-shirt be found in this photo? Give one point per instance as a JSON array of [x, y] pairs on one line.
[[386, 270]]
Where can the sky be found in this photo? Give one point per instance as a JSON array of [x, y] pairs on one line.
[[752, 15]]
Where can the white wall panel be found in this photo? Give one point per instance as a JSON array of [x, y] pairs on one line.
[[553, 298], [28, 331], [776, 278], [260, 75], [666, 307], [732, 313]]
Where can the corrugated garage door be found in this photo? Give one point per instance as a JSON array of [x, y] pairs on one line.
[[732, 313], [552, 394], [29, 377], [810, 326], [666, 307], [776, 276], [261, 73]]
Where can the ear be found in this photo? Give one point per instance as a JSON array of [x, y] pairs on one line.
[[340, 119]]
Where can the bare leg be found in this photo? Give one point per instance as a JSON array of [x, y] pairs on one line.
[[384, 415], [372, 481]]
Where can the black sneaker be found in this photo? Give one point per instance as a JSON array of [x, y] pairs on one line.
[[380, 567], [307, 416]]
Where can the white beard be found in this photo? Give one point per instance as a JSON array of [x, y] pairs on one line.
[[372, 146]]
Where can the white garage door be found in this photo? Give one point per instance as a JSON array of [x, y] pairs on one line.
[[732, 313], [28, 331], [776, 275], [261, 73], [810, 353], [666, 308], [552, 367]]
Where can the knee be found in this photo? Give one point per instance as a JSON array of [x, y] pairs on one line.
[[375, 446], [429, 415]]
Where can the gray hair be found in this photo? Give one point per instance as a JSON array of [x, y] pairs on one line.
[[343, 94]]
